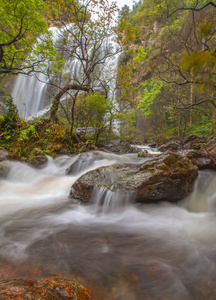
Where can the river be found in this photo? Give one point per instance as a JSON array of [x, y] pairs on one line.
[[120, 252]]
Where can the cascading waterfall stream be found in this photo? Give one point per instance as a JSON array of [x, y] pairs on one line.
[[33, 94], [118, 249], [124, 251]]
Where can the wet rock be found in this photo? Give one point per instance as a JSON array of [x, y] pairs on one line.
[[4, 168], [193, 142], [167, 177], [46, 289], [84, 161], [119, 146], [171, 146], [37, 158], [209, 148], [89, 147], [201, 159], [143, 153], [7, 155]]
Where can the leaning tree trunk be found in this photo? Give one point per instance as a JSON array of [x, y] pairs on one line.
[[56, 100], [213, 116], [72, 113]]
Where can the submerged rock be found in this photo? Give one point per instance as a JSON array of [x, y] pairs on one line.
[[167, 177], [46, 289], [37, 158]]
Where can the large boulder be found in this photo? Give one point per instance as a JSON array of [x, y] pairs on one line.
[[46, 289], [168, 177]]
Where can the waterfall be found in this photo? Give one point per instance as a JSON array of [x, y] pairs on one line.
[[33, 94]]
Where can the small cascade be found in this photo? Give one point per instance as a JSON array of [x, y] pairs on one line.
[[203, 197], [107, 201], [33, 94]]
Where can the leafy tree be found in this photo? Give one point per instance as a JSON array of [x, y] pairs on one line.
[[99, 112], [86, 34], [178, 39], [21, 23]]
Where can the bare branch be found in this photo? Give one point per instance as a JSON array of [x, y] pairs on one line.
[[193, 8]]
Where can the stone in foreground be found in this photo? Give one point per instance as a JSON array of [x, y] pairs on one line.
[[46, 289], [168, 177]]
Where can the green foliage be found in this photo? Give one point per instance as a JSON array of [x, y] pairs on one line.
[[28, 134], [98, 106], [202, 127], [40, 133], [99, 112], [151, 92], [174, 70], [21, 23], [11, 116], [141, 55]]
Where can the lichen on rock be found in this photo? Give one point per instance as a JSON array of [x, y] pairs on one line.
[[43, 289]]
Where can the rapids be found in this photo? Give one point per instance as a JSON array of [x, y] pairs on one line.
[[119, 251]]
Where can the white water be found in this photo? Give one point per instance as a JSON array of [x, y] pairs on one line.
[[122, 251], [33, 94]]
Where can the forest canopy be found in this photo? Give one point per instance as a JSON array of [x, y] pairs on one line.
[[166, 76]]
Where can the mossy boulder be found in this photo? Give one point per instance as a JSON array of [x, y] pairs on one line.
[[37, 158], [43, 289], [167, 177]]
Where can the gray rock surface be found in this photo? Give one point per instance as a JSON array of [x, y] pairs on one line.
[[167, 177]]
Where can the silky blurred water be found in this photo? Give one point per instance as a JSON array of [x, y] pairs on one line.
[[116, 248]]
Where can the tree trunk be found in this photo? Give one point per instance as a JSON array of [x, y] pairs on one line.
[[56, 100], [191, 102], [213, 116], [72, 113]]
